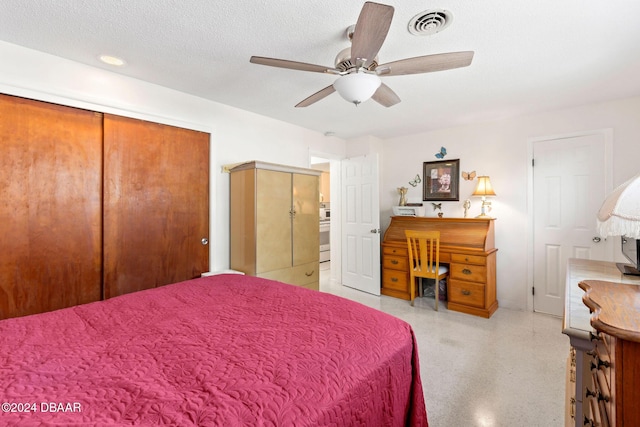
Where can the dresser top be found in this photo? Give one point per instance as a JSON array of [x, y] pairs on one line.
[[616, 308], [577, 319]]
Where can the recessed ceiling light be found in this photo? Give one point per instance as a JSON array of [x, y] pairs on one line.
[[112, 60]]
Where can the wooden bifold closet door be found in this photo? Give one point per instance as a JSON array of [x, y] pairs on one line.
[[50, 206], [156, 204], [93, 206]]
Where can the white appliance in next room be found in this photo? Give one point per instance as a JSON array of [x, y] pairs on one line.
[[325, 231], [325, 213], [325, 244]]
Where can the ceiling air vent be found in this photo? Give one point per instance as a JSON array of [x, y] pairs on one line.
[[430, 22]]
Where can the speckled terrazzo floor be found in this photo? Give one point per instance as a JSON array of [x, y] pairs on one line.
[[508, 370]]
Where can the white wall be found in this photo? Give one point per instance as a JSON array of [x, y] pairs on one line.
[[498, 149], [501, 150], [236, 135]]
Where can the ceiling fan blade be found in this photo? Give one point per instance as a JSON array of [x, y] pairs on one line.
[[292, 65], [385, 96], [371, 30], [426, 64], [316, 97]]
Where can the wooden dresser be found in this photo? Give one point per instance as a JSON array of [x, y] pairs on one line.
[[614, 397], [466, 245], [577, 326]]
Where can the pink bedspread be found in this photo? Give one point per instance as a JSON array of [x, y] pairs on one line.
[[225, 350]]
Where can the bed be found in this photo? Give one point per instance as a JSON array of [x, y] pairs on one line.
[[223, 350]]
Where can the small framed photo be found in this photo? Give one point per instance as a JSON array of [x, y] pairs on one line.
[[441, 181]]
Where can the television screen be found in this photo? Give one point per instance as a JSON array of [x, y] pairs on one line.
[[630, 250]]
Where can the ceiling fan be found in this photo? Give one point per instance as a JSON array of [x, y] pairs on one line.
[[357, 67]]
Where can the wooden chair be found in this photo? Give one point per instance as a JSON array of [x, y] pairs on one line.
[[424, 260]]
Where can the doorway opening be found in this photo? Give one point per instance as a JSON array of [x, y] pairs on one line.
[[328, 217]]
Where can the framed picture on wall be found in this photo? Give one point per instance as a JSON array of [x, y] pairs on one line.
[[441, 180]]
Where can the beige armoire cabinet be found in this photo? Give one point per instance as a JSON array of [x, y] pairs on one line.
[[274, 222]]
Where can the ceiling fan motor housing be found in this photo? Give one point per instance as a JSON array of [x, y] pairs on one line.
[[343, 61]]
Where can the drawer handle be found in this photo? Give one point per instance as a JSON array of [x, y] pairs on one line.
[[602, 363], [466, 271], [394, 279], [394, 261], [572, 408], [599, 363], [309, 274], [465, 292], [466, 259], [590, 393]]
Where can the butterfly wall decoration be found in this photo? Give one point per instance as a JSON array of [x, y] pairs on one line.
[[415, 181], [468, 176], [442, 153], [437, 206]]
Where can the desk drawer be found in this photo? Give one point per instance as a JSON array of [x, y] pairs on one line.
[[395, 262], [467, 293], [469, 259], [395, 279], [472, 273], [392, 250]]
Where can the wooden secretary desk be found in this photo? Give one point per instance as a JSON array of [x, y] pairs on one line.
[[466, 244]]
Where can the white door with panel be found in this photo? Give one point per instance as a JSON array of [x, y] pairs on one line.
[[570, 181], [361, 224]]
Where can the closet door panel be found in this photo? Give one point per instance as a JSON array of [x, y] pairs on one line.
[[156, 204], [50, 215]]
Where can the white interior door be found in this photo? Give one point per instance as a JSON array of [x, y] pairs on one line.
[[361, 224], [570, 182]]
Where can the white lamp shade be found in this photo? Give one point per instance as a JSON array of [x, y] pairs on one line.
[[484, 187], [357, 87], [620, 212]]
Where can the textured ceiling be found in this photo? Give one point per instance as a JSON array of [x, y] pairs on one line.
[[529, 56]]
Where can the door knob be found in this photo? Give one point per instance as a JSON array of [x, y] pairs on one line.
[[596, 239], [375, 230], [205, 241]]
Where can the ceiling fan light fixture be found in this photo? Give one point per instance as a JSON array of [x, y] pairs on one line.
[[357, 87]]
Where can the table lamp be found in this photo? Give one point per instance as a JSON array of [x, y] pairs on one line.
[[484, 189], [620, 212]]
